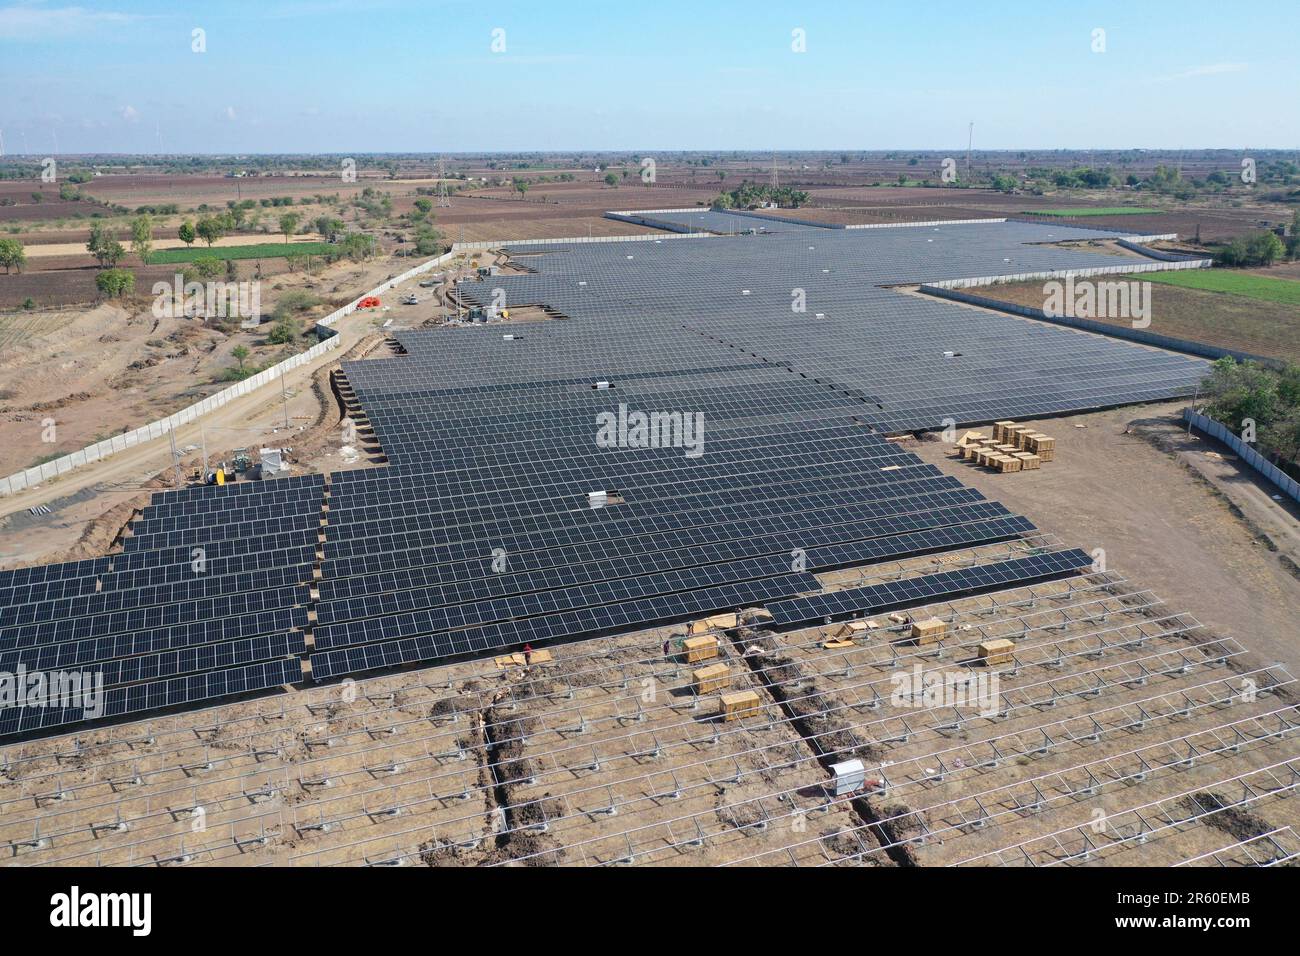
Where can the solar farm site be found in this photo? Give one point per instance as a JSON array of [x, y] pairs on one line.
[[651, 582]]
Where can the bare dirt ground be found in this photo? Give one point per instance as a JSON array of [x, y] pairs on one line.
[[1109, 488], [111, 368], [87, 505]]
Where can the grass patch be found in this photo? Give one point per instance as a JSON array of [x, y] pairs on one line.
[[1095, 211], [265, 250], [1264, 288]]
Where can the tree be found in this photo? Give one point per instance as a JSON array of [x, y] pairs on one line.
[[210, 230], [103, 245], [283, 331], [240, 352], [327, 226], [1257, 249], [426, 241], [521, 187], [142, 237], [12, 254], [186, 233], [115, 283], [208, 267], [289, 224], [611, 179]]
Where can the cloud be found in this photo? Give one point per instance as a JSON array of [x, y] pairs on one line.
[[1209, 69], [129, 113], [35, 21], [228, 113]]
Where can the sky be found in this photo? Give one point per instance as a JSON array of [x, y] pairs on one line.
[[362, 76]]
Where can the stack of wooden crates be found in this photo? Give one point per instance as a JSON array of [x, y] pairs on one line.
[[1011, 448]]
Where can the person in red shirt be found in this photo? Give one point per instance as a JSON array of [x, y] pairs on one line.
[[528, 655]]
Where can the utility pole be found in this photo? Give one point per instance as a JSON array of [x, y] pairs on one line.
[[176, 458], [970, 138], [284, 397]]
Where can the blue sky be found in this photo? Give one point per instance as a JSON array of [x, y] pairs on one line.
[[391, 75]]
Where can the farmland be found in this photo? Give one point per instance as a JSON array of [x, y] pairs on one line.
[[265, 250], [1185, 311], [1263, 288]]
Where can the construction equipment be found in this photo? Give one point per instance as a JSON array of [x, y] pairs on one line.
[[241, 461]]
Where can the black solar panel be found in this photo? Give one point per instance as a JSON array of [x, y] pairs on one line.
[[522, 502]]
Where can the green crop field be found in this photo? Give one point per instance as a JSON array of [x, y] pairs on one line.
[[1095, 211], [1283, 291], [266, 250]]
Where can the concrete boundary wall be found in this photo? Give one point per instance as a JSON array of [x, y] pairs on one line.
[[928, 222], [31, 477], [1137, 267], [1288, 485], [512, 243], [764, 217], [1134, 244], [647, 220]]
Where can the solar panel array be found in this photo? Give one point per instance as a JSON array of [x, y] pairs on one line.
[[663, 454]]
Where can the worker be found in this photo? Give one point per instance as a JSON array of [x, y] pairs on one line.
[[528, 655], [668, 648]]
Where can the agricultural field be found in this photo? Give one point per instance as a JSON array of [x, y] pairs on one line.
[[1259, 326], [265, 250], [1264, 288]]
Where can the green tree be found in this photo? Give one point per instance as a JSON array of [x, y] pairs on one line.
[[240, 352], [611, 179], [427, 241], [283, 331], [208, 267], [289, 224], [186, 233], [103, 245], [142, 237], [12, 254], [115, 283], [210, 230], [328, 225]]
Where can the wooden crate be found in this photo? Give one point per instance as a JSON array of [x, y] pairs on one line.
[[1006, 464], [719, 622], [1016, 436], [995, 652], [927, 632], [1000, 429], [1041, 445], [739, 705], [700, 648], [712, 678], [1028, 460]]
